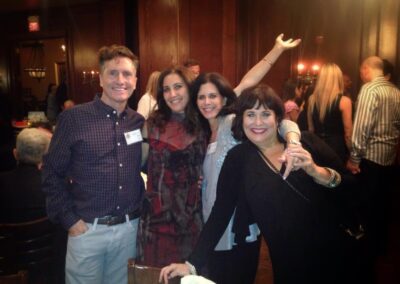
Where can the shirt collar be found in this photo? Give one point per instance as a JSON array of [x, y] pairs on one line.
[[378, 79], [106, 109]]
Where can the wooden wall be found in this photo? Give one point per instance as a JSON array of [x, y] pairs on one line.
[[226, 36], [351, 31], [174, 30], [85, 27]]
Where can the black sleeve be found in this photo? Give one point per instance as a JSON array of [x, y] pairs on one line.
[[347, 193], [228, 187], [322, 154]]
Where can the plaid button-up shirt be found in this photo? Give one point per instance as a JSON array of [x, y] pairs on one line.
[[92, 169]]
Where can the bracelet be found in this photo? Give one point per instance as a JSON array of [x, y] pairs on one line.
[[334, 179], [192, 269], [294, 142]]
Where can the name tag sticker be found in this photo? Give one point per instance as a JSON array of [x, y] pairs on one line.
[[133, 136]]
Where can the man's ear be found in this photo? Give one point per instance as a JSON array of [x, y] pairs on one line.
[[15, 153]]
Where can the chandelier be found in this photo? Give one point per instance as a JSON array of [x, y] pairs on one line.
[[36, 69]]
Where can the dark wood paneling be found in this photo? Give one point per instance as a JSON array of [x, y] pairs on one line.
[[229, 39], [172, 31], [351, 30], [206, 34], [85, 27], [259, 23], [225, 36], [158, 36]]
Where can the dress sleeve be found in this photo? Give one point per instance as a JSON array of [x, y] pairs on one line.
[[54, 174], [227, 195], [287, 126]]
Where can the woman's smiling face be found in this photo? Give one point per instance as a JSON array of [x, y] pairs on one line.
[[176, 93], [260, 125], [209, 101]]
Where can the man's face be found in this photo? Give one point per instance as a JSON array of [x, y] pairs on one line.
[[195, 69], [118, 80]]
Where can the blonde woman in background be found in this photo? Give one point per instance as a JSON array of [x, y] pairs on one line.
[[147, 102], [330, 112]]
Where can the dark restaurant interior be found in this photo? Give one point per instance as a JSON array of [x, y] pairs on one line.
[[47, 42]]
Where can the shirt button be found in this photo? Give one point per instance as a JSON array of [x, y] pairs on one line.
[[119, 144], [120, 165], [108, 115], [117, 207], [114, 112], [120, 187], [116, 123]]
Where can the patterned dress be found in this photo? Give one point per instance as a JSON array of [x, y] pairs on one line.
[[173, 221]]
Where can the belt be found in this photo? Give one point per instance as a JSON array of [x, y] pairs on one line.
[[115, 220]]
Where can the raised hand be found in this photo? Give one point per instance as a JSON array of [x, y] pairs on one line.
[[286, 44]]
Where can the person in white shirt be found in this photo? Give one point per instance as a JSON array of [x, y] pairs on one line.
[[147, 102]]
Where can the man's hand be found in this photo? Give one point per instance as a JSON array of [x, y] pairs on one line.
[[78, 228], [354, 168]]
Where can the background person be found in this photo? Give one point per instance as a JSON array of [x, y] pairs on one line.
[[330, 112], [68, 104], [148, 102], [51, 103], [291, 94], [21, 198], [376, 132], [193, 65]]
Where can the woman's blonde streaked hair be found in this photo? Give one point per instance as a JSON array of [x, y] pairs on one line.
[[329, 85], [151, 87]]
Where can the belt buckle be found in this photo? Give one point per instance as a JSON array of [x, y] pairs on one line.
[[112, 220]]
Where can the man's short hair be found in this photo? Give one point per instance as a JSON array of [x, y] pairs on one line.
[[31, 145], [374, 62], [191, 62], [107, 53]]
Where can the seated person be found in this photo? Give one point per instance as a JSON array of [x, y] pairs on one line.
[[21, 198]]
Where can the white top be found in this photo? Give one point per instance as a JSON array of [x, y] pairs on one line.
[[216, 153], [146, 105]]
